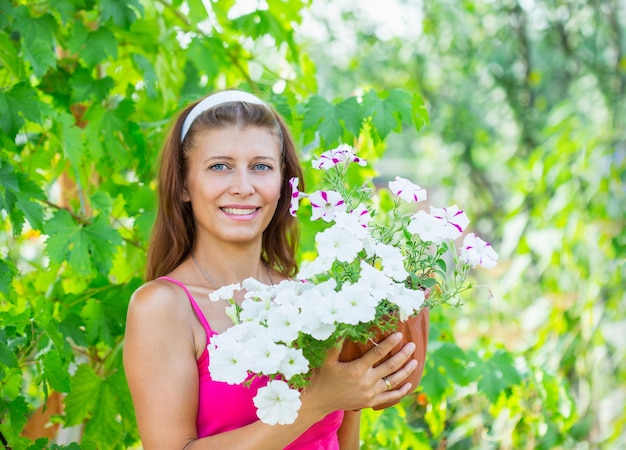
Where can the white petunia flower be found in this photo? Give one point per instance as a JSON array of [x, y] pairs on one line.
[[296, 195], [407, 191], [316, 310], [311, 268], [362, 214], [375, 282], [335, 156], [285, 323], [328, 308], [353, 222], [408, 301], [455, 221], [277, 404], [225, 292], [254, 310], [355, 304], [265, 355], [325, 204], [475, 252], [427, 227], [392, 261], [228, 361], [338, 243], [293, 363]]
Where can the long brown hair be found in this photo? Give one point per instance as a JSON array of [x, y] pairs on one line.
[[174, 232]]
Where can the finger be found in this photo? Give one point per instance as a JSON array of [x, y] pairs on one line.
[[388, 398], [380, 350], [397, 361], [394, 380], [333, 354]]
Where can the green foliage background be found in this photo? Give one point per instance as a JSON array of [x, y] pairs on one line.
[[525, 130]]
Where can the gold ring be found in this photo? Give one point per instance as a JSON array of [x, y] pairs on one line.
[[389, 386]]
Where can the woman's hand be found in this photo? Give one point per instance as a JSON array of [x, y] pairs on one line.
[[358, 384]]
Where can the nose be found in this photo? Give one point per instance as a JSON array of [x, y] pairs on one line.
[[242, 183]]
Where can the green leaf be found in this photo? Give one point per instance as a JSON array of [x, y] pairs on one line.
[[16, 104], [7, 272], [56, 371], [7, 355], [96, 321], [40, 55], [81, 244], [99, 46], [66, 9], [197, 11], [65, 240], [434, 382], [498, 374], [207, 55], [104, 423], [150, 77], [262, 22], [84, 87], [327, 118], [121, 12], [51, 326], [19, 412], [102, 240], [37, 38], [84, 395], [72, 326], [9, 56], [72, 446], [388, 110], [421, 118], [349, 112], [32, 210], [451, 360], [39, 444]]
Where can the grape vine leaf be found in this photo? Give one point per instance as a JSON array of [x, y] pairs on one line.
[[81, 244], [16, 104], [498, 374], [84, 395], [56, 371], [328, 117], [121, 12], [388, 110]]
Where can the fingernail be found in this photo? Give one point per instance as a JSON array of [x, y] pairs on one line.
[[411, 346]]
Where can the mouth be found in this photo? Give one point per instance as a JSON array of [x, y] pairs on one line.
[[239, 211]]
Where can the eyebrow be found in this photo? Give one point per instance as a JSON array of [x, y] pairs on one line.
[[230, 158]]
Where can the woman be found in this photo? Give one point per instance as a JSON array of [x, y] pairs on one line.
[[223, 217]]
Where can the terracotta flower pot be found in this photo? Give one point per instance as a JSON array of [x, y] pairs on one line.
[[414, 329]]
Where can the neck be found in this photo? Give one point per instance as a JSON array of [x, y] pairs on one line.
[[228, 267]]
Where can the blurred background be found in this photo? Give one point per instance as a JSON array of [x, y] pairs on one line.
[[515, 110]]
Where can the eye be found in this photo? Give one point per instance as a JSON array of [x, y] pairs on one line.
[[261, 167], [218, 167]]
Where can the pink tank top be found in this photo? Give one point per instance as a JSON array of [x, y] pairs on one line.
[[223, 407]]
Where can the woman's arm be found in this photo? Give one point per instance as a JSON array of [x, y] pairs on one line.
[[350, 430], [160, 365], [159, 361]]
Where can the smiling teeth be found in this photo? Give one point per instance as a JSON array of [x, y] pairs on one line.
[[238, 212]]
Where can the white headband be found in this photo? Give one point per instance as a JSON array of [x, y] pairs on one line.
[[214, 100]]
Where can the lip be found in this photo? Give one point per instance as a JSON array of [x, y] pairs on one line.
[[240, 211]]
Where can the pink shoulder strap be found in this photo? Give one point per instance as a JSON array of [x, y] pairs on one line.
[[194, 305]]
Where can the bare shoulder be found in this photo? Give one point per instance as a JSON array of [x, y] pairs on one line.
[[155, 290], [157, 296]]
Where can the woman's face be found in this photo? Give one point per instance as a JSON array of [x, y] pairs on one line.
[[233, 182]]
